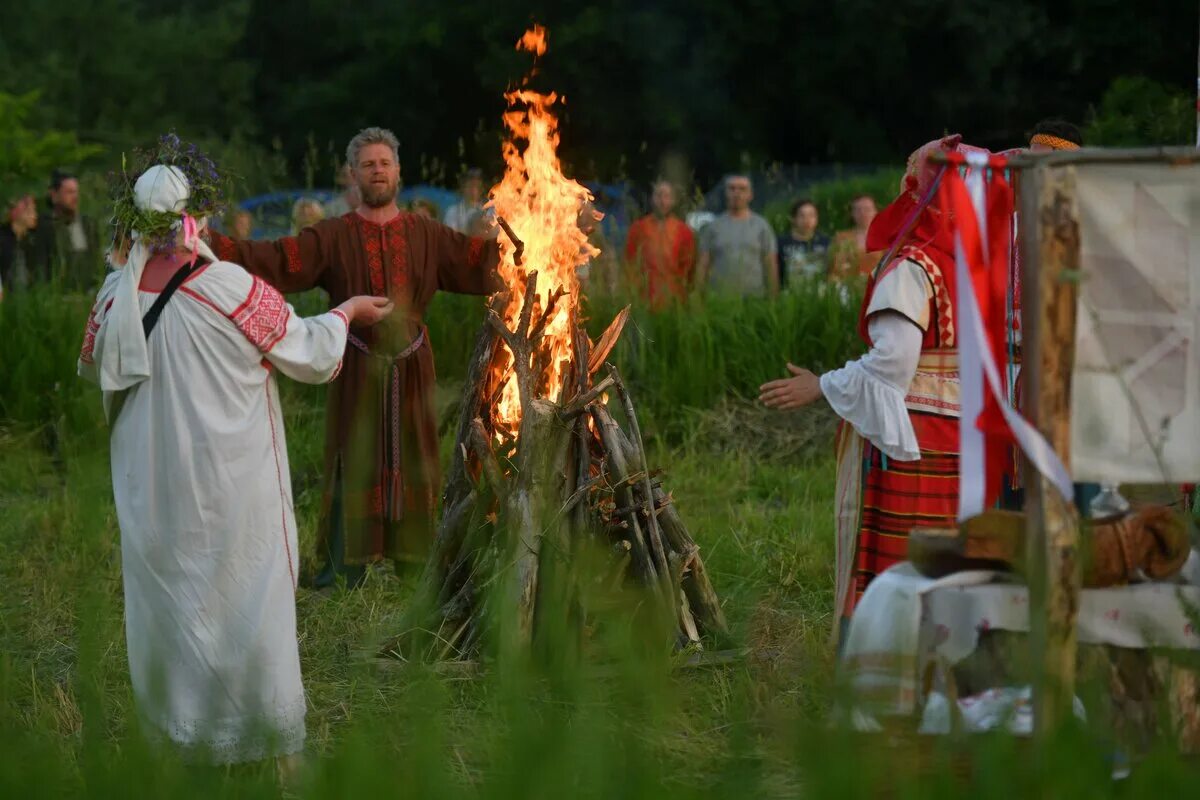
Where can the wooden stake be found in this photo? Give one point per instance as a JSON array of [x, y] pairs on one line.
[[1050, 259]]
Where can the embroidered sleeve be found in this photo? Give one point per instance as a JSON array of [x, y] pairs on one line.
[[290, 264], [263, 316], [86, 365], [312, 348], [89, 339], [465, 264]]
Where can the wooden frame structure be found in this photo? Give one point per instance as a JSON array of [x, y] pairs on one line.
[[1050, 264]]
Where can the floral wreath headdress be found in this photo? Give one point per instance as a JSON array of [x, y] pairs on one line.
[[154, 227]]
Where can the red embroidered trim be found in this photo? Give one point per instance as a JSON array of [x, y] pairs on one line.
[[283, 505], [224, 247], [941, 296], [337, 371], [474, 252], [397, 250], [368, 233], [195, 296], [342, 316], [87, 351], [291, 249], [262, 316], [386, 241]]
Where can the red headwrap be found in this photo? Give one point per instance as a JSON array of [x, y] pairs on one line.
[[929, 230], [912, 220]]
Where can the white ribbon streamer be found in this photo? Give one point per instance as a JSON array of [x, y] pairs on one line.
[[976, 363]]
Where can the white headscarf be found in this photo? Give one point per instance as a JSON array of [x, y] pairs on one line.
[[123, 357]]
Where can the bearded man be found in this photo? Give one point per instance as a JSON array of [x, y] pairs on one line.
[[381, 446]]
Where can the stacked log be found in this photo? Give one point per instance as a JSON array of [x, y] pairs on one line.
[[572, 479]]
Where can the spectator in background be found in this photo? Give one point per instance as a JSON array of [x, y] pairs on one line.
[[737, 249], [25, 253], [306, 213], [803, 251], [425, 207], [481, 226], [74, 237], [661, 250], [471, 188], [850, 258], [239, 223], [348, 200]]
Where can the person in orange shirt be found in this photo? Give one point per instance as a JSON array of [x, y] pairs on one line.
[[850, 258], [661, 250]]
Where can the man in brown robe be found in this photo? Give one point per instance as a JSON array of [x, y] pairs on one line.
[[381, 445]]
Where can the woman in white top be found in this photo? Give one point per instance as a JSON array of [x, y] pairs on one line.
[[200, 479]]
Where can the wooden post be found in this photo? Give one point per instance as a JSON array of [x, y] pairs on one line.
[[1050, 263]]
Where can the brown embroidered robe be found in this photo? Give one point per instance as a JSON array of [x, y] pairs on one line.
[[381, 447]]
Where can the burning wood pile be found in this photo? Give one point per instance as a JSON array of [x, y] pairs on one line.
[[542, 469]]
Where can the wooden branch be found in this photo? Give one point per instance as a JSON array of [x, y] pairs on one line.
[[583, 436], [580, 494], [487, 459], [457, 482], [1096, 155], [1050, 231], [581, 402], [608, 341], [702, 598], [510, 338], [609, 434], [531, 282], [546, 315], [653, 530]]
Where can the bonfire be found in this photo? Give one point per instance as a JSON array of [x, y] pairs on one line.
[[542, 469]]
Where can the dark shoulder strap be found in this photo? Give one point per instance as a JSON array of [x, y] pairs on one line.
[[181, 275]]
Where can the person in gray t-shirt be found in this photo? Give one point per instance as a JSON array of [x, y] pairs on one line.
[[737, 249]]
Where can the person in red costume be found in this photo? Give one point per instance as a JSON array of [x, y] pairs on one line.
[[898, 443]]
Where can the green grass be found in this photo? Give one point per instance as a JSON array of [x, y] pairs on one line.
[[757, 496]]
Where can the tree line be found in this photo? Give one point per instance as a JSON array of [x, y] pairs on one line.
[[715, 85]]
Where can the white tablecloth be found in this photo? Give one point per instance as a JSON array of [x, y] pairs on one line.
[[1137, 617], [906, 622]]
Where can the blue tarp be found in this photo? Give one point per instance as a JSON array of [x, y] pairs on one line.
[[273, 212]]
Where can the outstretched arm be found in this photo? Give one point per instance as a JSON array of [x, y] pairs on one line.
[[868, 392], [290, 264], [465, 264], [311, 348]]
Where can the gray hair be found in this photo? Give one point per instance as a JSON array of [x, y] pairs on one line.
[[371, 136]]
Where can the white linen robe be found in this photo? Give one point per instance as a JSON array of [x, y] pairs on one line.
[[204, 502]]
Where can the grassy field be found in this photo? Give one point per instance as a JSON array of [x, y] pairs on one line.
[[756, 491]]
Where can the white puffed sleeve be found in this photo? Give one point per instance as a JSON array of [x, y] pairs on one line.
[[311, 349], [869, 393]]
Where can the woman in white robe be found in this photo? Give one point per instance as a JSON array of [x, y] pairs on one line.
[[202, 489]]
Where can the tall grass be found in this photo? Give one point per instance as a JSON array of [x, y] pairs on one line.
[[690, 355], [621, 722]]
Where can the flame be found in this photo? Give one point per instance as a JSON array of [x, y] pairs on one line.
[[543, 208], [534, 41]]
